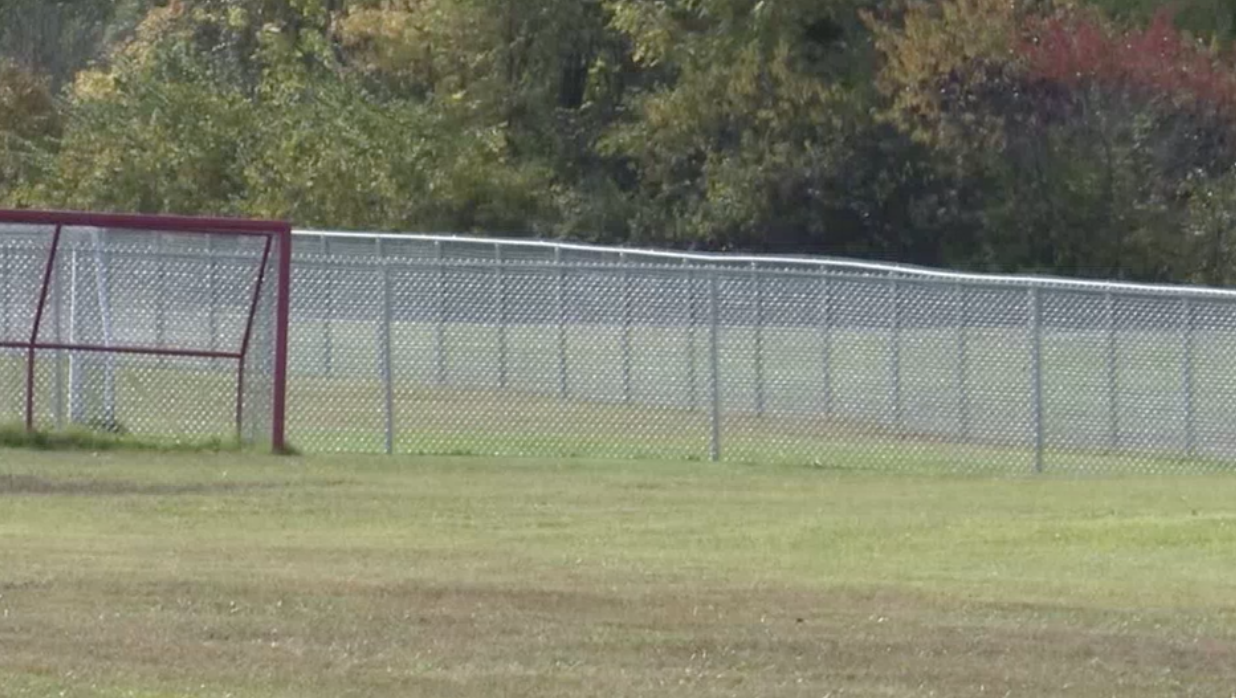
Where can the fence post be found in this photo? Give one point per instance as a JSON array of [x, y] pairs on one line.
[[502, 320], [759, 339], [560, 315], [895, 359], [1190, 418], [714, 376], [384, 351], [692, 390], [825, 311], [328, 327], [1112, 386], [439, 330], [963, 361], [626, 329], [1036, 374]]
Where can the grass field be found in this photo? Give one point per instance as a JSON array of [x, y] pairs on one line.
[[153, 575]]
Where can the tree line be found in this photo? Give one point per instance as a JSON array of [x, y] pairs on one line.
[[1090, 137]]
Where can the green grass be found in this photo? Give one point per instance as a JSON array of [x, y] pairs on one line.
[[148, 574]]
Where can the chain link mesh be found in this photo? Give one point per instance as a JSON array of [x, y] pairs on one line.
[[434, 345], [141, 332], [437, 345]]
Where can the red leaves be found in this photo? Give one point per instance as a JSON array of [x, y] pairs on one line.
[[1077, 49]]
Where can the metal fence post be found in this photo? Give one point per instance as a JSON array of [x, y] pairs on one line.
[[759, 339], [1111, 378], [560, 318], [328, 326], [439, 330], [692, 390], [963, 362], [1035, 328], [826, 329], [714, 376], [895, 359], [1186, 337], [384, 352], [502, 319], [626, 329]]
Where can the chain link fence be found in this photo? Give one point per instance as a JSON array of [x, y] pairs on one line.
[[168, 336], [449, 345]]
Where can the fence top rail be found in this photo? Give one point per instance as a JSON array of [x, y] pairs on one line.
[[705, 258]]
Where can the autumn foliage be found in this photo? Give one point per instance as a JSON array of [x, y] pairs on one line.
[[1078, 49]]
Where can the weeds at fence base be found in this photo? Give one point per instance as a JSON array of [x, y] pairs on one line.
[[86, 439]]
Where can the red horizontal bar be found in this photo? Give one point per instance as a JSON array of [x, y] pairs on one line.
[[141, 351], [161, 223]]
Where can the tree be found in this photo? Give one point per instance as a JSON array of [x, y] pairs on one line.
[[29, 121], [1079, 132], [753, 128]]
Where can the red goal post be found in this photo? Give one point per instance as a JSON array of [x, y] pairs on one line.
[[166, 327]]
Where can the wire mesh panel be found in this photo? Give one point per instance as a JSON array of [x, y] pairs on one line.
[[165, 328], [336, 395]]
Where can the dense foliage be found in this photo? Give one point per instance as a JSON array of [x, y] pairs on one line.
[[1084, 137]]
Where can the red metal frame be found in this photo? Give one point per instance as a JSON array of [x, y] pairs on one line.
[[283, 298], [163, 224], [272, 230]]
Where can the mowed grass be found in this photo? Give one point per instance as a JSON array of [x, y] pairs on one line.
[[158, 575]]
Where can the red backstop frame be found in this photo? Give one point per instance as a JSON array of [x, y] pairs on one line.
[[273, 231]]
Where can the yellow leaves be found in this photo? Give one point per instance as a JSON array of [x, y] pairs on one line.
[[648, 26], [937, 42], [936, 39], [94, 85], [440, 44], [237, 18], [156, 27]]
